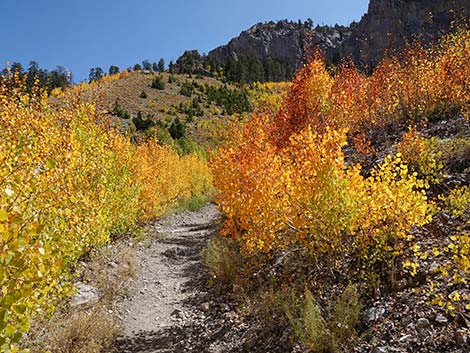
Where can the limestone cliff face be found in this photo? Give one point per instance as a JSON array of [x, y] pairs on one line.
[[388, 24]]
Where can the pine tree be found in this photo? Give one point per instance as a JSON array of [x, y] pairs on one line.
[[113, 70], [95, 74], [161, 65], [146, 65]]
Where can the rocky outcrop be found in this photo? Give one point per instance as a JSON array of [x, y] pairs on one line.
[[282, 44], [274, 50], [389, 24]]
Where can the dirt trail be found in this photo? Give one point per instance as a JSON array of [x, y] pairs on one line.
[[170, 308]]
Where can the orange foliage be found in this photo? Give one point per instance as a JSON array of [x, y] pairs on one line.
[[401, 90], [282, 178], [307, 102]]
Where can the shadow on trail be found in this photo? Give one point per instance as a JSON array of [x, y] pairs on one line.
[[197, 333]]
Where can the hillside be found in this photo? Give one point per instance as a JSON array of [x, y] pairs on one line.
[[170, 106]]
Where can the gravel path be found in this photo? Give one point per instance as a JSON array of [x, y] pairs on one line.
[[170, 308]]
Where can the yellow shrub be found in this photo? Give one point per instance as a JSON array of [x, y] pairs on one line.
[[421, 155], [67, 183], [458, 202], [165, 177]]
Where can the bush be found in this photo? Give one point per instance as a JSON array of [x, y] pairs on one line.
[[142, 124], [70, 190], [187, 89], [158, 83], [220, 256], [143, 95], [177, 178], [177, 129], [119, 111], [308, 324], [326, 333]]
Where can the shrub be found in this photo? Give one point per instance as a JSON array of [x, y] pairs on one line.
[[177, 178], [177, 129], [68, 188], [319, 332], [119, 111], [142, 124], [158, 83], [187, 89], [219, 256], [421, 155], [308, 324]]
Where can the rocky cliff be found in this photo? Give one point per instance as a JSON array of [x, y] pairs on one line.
[[388, 24], [272, 51], [282, 43]]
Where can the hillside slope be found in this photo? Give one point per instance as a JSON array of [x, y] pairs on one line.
[[170, 106]]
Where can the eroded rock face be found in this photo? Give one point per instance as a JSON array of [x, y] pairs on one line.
[[285, 43], [388, 24], [281, 46]]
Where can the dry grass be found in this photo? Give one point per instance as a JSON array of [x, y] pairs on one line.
[[90, 329], [111, 270], [330, 331], [220, 256], [74, 331]]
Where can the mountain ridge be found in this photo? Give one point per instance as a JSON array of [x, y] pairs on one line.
[[273, 51]]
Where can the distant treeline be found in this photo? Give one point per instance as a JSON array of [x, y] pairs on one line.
[[60, 77], [158, 66]]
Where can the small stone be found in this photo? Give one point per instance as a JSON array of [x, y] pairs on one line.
[[177, 313], [205, 307], [441, 319], [373, 314], [460, 338], [423, 323], [86, 295], [405, 338], [380, 350]]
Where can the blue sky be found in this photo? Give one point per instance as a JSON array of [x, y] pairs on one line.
[[80, 34]]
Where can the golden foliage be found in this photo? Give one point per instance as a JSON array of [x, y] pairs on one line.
[[420, 153], [165, 177], [306, 194], [68, 182]]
